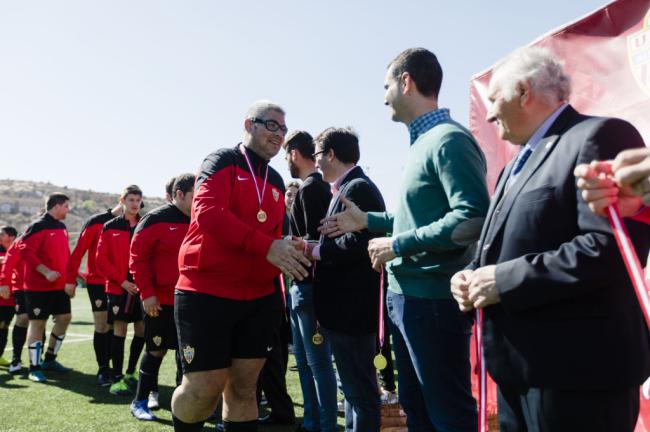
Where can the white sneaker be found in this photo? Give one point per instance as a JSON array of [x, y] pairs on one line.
[[152, 402], [15, 367], [141, 412]]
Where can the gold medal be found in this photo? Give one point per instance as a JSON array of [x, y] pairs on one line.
[[380, 362], [261, 216], [317, 338]]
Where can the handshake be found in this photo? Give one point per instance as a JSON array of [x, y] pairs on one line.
[[292, 255]]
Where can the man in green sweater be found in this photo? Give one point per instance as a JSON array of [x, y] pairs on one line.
[[442, 205]]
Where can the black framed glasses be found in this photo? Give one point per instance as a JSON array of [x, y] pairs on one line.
[[313, 155], [271, 125]]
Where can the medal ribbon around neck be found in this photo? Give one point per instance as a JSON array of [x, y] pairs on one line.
[[261, 215], [380, 361]]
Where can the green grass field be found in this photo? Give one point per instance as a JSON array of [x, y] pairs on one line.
[[73, 402]]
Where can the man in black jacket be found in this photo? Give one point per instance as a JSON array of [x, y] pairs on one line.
[[564, 336], [346, 288], [314, 360]]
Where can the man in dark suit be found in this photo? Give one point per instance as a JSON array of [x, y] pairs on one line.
[[346, 288], [564, 337]]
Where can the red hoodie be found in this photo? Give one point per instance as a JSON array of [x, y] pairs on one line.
[[644, 216], [154, 252], [88, 240], [12, 272], [113, 254], [224, 251], [45, 242]]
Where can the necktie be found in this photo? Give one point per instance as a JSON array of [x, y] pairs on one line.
[[521, 160], [522, 157]]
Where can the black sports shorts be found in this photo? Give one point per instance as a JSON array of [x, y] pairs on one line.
[[19, 299], [160, 331], [97, 296], [124, 307], [42, 304], [214, 330]]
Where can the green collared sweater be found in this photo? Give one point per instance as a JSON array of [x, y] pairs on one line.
[[442, 205]]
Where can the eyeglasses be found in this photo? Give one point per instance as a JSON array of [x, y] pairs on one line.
[[271, 125], [317, 153]]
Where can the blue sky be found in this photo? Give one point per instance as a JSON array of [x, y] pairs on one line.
[[101, 94]]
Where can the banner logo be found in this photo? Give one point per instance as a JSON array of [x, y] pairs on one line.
[[638, 49]]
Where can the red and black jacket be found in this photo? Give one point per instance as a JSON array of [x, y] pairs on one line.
[[113, 254], [88, 240], [154, 252], [224, 251], [45, 242], [10, 300], [12, 272]]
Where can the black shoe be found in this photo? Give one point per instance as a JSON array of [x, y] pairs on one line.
[[104, 378], [271, 420]]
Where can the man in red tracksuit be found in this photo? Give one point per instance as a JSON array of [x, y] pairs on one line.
[[154, 266], [124, 305], [224, 306], [46, 252], [12, 284], [7, 237], [87, 242]]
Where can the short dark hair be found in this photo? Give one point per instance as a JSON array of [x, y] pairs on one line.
[[55, 199], [9, 230], [301, 141], [131, 190], [343, 141], [169, 186], [423, 67], [183, 183]]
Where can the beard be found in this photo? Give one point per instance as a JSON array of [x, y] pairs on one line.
[[293, 170]]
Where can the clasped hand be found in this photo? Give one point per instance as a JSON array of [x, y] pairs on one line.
[[475, 289]]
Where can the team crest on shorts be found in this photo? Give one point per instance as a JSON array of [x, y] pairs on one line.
[[188, 353], [276, 195], [157, 340], [116, 309], [17, 307], [98, 303], [37, 311]]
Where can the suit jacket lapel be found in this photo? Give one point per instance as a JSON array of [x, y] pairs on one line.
[[543, 149]]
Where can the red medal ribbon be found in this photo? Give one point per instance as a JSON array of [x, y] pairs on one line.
[[482, 373], [260, 196], [632, 263]]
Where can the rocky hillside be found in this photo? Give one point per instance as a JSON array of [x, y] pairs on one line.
[[21, 201]]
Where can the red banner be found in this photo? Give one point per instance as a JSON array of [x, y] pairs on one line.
[[607, 54]]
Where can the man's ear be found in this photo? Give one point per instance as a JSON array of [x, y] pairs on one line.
[[406, 83], [248, 125], [523, 90]]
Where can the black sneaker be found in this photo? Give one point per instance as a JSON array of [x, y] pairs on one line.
[[104, 378]]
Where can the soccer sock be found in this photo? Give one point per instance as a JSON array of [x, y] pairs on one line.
[[51, 353], [181, 426], [137, 343], [100, 345], [249, 426], [117, 355], [4, 334], [35, 349], [179, 367], [18, 338], [109, 341], [149, 367]]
